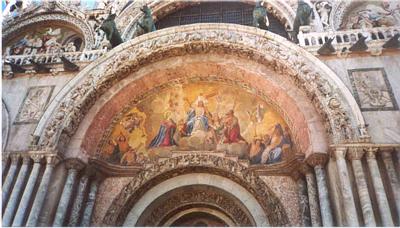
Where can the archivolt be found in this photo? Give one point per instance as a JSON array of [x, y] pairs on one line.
[[195, 163], [328, 93]]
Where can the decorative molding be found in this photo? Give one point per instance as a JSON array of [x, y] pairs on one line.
[[316, 80], [74, 163], [195, 163]]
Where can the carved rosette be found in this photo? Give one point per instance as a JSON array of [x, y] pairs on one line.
[[160, 171], [261, 46]]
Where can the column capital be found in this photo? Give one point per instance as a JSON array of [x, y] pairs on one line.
[[5, 156], [371, 152], [386, 152], [317, 159], [304, 168], [355, 153], [26, 158], [37, 158], [339, 152], [52, 159], [74, 163], [15, 158]]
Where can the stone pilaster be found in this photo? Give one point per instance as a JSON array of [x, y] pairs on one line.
[[73, 166], [303, 202], [312, 192], [339, 154], [318, 161], [26, 197], [383, 205], [89, 205], [355, 155], [16, 192], [51, 161], [394, 181], [9, 179], [80, 195]]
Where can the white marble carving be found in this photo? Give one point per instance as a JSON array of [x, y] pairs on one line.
[[372, 90], [34, 104]]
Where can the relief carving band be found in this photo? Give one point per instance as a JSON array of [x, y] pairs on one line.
[[372, 89], [34, 104], [201, 116]]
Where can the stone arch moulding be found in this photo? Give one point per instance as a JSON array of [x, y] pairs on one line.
[[127, 19], [48, 18], [264, 206], [328, 93]]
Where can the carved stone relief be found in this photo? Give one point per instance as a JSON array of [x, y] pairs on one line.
[[372, 89], [34, 104]]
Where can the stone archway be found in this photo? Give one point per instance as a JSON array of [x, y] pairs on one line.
[[327, 92], [258, 202]]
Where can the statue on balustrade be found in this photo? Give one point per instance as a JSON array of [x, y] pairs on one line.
[[147, 22], [110, 29], [303, 14], [260, 17]]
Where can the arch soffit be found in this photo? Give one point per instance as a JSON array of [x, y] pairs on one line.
[[48, 13], [127, 19], [64, 114], [5, 124], [258, 193]]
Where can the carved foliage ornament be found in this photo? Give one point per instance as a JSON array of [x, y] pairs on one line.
[[160, 171], [237, 40]]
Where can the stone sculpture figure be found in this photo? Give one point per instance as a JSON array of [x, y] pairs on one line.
[[110, 29], [260, 17], [147, 22], [303, 14]]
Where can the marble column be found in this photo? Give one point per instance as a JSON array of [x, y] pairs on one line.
[[312, 193], [80, 195], [303, 202], [383, 204], [394, 181], [4, 162], [73, 166], [16, 192], [37, 205], [350, 211], [318, 161], [7, 185], [26, 197], [355, 155], [89, 205]]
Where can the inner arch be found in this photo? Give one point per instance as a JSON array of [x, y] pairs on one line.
[[245, 197]]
